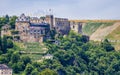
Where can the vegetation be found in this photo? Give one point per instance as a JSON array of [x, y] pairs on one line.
[[13, 32], [91, 27], [8, 20], [114, 35], [75, 55], [34, 50]]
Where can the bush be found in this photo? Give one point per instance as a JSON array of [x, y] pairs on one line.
[[14, 32]]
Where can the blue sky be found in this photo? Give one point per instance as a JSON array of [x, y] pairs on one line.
[[72, 9]]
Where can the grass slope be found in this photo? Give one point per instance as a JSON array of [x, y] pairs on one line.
[[34, 50], [115, 38], [114, 35], [91, 27]]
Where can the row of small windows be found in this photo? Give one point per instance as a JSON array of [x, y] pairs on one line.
[[37, 31], [6, 73], [36, 36]]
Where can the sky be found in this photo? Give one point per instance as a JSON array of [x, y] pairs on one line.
[[72, 9]]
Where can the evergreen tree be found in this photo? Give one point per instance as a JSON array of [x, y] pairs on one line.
[[48, 72], [7, 18], [107, 45], [4, 44], [0, 41]]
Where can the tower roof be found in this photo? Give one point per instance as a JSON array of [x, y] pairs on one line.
[[23, 18], [3, 66]]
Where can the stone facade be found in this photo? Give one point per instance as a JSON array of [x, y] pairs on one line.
[[76, 26], [5, 70], [35, 29], [32, 29], [62, 25], [49, 19], [5, 30]]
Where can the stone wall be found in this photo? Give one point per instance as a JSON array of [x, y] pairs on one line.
[[76, 26]]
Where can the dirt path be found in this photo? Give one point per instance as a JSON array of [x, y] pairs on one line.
[[102, 32]]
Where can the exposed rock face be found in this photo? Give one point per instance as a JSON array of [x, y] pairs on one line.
[[101, 33]]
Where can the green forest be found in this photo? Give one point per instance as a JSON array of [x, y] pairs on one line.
[[74, 55]]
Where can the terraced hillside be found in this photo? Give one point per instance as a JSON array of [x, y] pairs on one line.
[[34, 50]]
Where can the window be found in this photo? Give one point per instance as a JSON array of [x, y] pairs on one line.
[[31, 33], [41, 32], [34, 31], [73, 26]]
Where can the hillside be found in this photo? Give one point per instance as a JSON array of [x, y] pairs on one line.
[[90, 27], [101, 32], [98, 31], [34, 50], [115, 34]]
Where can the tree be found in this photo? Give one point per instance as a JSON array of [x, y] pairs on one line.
[[0, 41], [15, 67], [48, 72], [52, 34], [4, 46], [107, 46], [26, 60], [43, 18], [7, 18], [12, 21], [29, 68], [35, 72], [9, 43], [15, 57]]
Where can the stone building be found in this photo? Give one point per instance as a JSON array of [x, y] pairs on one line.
[[76, 26], [62, 25], [50, 19], [39, 31], [32, 29], [5, 70], [48, 56], [5, 30]]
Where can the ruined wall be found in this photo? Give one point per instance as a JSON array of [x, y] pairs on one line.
[[76, 27]]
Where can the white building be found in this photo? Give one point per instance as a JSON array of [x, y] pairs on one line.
[[5, 70], [48, 56]]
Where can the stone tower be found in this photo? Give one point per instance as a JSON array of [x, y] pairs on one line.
[[49, 19], [76, 26], [22, 23]]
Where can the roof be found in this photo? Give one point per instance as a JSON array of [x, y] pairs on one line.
[[3, 66], [34, 18], [48, 56], [39, 25], [22, 18], [6, 26]]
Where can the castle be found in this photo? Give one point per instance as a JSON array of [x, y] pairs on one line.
[[33, 29]]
